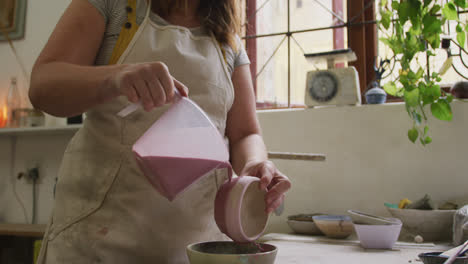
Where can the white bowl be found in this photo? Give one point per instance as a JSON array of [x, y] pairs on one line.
[[378, 236], [304, 227], [432, 225], [228, 252], [368, 219]]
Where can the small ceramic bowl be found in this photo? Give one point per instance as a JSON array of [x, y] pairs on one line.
[[334, 226], [228, 252], [240, 209], [304, 227], [378, 236], [435, 258], [368, 219]]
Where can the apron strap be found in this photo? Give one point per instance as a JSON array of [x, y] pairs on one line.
[[127, 32]]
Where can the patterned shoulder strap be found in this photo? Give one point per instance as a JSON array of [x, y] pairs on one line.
[[129, 28]]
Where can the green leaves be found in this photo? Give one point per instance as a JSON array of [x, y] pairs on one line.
[[416, 33], [442, 110], [432, 29], [461, 36], [461, 3], [413, 134], [386, 19], [430, 93], [412, 97], [450, 11], [435, 9]]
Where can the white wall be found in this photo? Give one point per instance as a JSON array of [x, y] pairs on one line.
[[41, 18], [369, 158]]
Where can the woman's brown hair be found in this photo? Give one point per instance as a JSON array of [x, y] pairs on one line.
[[222, 17]]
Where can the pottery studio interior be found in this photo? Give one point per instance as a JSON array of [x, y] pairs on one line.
[[233, 131]]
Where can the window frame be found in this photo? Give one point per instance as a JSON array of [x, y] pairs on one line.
[[362, 39]]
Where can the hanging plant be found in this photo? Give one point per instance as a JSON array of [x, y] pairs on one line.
[[417, 28]]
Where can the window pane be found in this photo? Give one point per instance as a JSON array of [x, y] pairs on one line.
[[272, 78], [306, 14], [272, 16]]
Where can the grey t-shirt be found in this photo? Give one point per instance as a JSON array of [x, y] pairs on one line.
[[115, 15]]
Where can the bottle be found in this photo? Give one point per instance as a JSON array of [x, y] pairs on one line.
[[13, 103]]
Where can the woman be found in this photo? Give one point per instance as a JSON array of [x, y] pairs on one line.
[[105, 209]]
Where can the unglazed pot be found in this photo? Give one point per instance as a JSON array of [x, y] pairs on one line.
[[240, 209], [228, 252]]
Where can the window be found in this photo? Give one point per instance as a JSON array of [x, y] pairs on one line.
[[279, 32]]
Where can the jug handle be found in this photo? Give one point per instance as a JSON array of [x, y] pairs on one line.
[[134, 106]]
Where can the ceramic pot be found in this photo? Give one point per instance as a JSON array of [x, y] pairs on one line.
[[376, 95], [240, 209], [460, 90], [228, 252]]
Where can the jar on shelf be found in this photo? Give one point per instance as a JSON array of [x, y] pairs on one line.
[[13, 104]]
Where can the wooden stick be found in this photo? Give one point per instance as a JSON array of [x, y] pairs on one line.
[[296, 156]]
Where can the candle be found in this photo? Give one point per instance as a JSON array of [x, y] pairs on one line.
[[3, 115]]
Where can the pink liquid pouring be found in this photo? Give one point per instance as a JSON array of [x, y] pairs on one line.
[[174, 159], [172, 175]]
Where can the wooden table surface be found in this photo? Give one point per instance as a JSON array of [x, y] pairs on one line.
[[25, 230]]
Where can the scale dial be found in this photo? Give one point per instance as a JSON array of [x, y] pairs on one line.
[[323, 86]]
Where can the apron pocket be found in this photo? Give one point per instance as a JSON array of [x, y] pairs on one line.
[[85, 177]]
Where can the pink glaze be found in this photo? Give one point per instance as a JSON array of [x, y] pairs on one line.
[[172, 175], [179, 148]]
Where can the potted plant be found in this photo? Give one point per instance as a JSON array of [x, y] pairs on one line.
[[417, 26]]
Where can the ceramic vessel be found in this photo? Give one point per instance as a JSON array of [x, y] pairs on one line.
[[460, 90], [376, 95], [240, 209], [368, 219], [378, 236], [227, 252], [435, 258], [334, 226], [432, 225], [304, 227]]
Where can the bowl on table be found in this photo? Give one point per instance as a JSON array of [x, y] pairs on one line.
[[435, 258], [229, 252], [378, 236], [362, 218], [334, 226], [304, 224], [432, 225], [304, 227]]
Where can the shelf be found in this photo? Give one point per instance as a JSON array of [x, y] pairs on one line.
[[43, 130], [24, 230]]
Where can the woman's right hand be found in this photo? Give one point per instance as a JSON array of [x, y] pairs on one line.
[[148, 83]]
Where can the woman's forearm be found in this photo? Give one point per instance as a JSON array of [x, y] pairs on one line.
[[64, 89], [247, 149]]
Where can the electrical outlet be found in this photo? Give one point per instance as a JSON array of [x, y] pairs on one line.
[[31, 172]]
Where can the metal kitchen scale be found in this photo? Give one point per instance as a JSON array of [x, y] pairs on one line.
[[333, 86]]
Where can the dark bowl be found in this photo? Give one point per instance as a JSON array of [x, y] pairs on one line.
[[434, 258]]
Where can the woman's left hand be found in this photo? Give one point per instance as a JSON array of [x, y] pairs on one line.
[[271, 179]]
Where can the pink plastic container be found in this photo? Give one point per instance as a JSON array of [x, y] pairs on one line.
[[240, 209]]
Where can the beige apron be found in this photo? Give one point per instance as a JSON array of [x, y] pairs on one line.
[[105, 210]]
